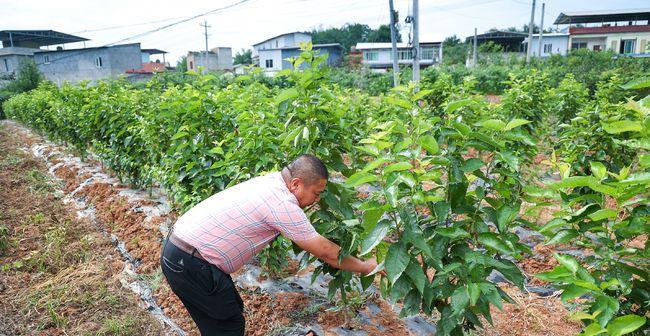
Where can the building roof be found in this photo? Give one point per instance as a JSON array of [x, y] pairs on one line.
[[499, 35], [268, 39], [153, 51], [603, 16], [315, 46], [83, 49], [39, 37], [387, 45]]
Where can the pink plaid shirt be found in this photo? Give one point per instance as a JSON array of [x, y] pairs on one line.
[[230, 227]]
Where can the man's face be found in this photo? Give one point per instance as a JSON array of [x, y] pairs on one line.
[[309, 194]]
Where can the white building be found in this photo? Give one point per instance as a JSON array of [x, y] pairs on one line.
[[552, 44], [378, 55], [219, 58], [271, 54]]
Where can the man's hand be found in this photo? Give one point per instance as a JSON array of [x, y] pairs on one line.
[[327, 251], [372, 264]]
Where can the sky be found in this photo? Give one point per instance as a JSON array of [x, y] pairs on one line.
[[244, 24]]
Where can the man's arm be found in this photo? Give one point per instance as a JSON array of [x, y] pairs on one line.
[[327, 251]]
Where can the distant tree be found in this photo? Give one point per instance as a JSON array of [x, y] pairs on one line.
[[27, 79], [181, 65], [490, 47], [350, 34], [454, 51], [243, 57], [382, 34]]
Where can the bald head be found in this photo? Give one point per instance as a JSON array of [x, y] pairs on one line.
[[308, 168]]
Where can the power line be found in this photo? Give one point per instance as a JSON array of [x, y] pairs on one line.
[[154, 30]]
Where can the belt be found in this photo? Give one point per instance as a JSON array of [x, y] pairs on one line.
[[185, 247]]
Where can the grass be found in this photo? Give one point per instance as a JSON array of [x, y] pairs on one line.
[[4, 240], [122, 326], [39, 182]]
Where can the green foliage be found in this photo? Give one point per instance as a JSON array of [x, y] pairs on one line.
[[604, 210], [4, 239], [27, 79], [181, 65], [568, 99], [525, 98], [243, 57], [454, 51], [351, 34]]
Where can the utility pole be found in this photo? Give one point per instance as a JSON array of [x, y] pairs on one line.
[[541, 33], [475, 56], [205, 64], [393, 41], [416, 41], [530, 33]]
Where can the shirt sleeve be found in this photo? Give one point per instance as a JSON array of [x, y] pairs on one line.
[[291, 221]]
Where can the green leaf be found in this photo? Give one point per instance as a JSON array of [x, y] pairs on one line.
[[639, 83], [568, 261], [366, 281], [415, 272], [360, 178], [471, 165], [592, 330], [397, 259], [493, 124], [602, 214], [375, 236], [459, 300], [179, 135], [400, 166], [516, 123], [598, 170], [373, 164], [474, 293], [491, 294], [286, 94], [429, 143], [492, 240], [455, 105], [505, 215], [562, 236], [573, 291], [622, 126], [452, 232], [625, 324]]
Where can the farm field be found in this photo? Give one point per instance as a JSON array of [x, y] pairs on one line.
[[516, 209]]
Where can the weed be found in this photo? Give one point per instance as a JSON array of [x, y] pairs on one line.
[[123, 326], [154, 280], [54, 319], [10, 160], [4, 239], [38, 181]]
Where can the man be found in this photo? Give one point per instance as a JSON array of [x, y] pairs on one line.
[[222, 233]]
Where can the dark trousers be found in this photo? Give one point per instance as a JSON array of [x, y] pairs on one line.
[[208, 294]]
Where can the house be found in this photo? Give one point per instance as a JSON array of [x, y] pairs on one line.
[[21, 44], [219, 58], [625, 32], [552, 44], [93, 64], [70, 65], [377, 56], [271, 54]]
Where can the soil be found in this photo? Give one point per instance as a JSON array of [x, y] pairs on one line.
[[59, 276], [530, 315], [80, 282]]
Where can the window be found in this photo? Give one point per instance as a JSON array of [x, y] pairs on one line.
[[627, 46], [276, 43], [191, 65], [427, 54], [370, 55], [643, 47], [548, 48], [613, 45], [6, 65], [46, 59], [98, 62], [404, 54], [269, 63], [579, 45]]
